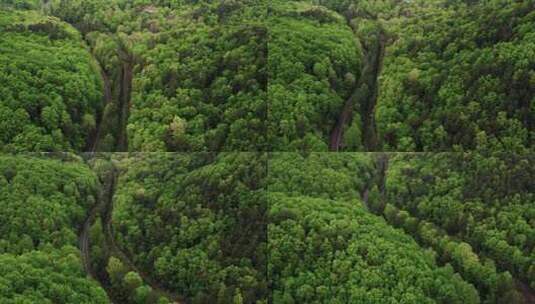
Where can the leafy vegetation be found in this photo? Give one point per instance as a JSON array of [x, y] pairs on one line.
[[487, 202], [183, 75], [43, 203], [221, 82], [344, 75], [460, 76], [212, 98], [432, 76], [314, 62], [47, 276], [50, 91], [325, 247], [196, 223]]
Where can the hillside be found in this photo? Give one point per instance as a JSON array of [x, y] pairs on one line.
[[267, 151]]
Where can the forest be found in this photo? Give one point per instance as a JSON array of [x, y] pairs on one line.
[[44, 201], [250, 227], [133, 76], [401, 228], [434, 75], [196, 222], [454, 214], [267, 151], [257, 75], [133, 228]]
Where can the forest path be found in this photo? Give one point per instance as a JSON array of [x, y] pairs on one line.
[[105, 205], [335, 141], [371, 85], [107, 99], [122, 86], [364, 198], [382, 165], [379, 179], [110, 239], [126, 76], [365, 94], [84, 241]]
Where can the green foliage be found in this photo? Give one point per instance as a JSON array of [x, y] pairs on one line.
[[334, 251], [486, 201], [257, 75], [50, 86], [20, 4], [313, 61], [49, 276], [324, 247], [212, 98], [184, 75], [196, 223], [459, 77], [132, 280], [116, 270], [44, 201], [324, 175]]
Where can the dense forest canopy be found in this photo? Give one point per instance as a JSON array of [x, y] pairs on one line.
[[51, 90], [316, 75], [432, 75], [267, 151], [139, 76], [44, 198], [248, 227], [485, 201], [184, 75], [196, 222], [43, 204], [212, 98], [461, 76], [314, 62], [324, 247]]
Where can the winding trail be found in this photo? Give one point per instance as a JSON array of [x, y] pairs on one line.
[[369, 129], [110, 239], [84, 242], [122, 86], [365, 195], [382, 167], [335, 141], [365, 94], [105, 203]]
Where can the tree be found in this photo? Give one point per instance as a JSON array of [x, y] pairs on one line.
[[142, 294], [116, 270], [131, 280]]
